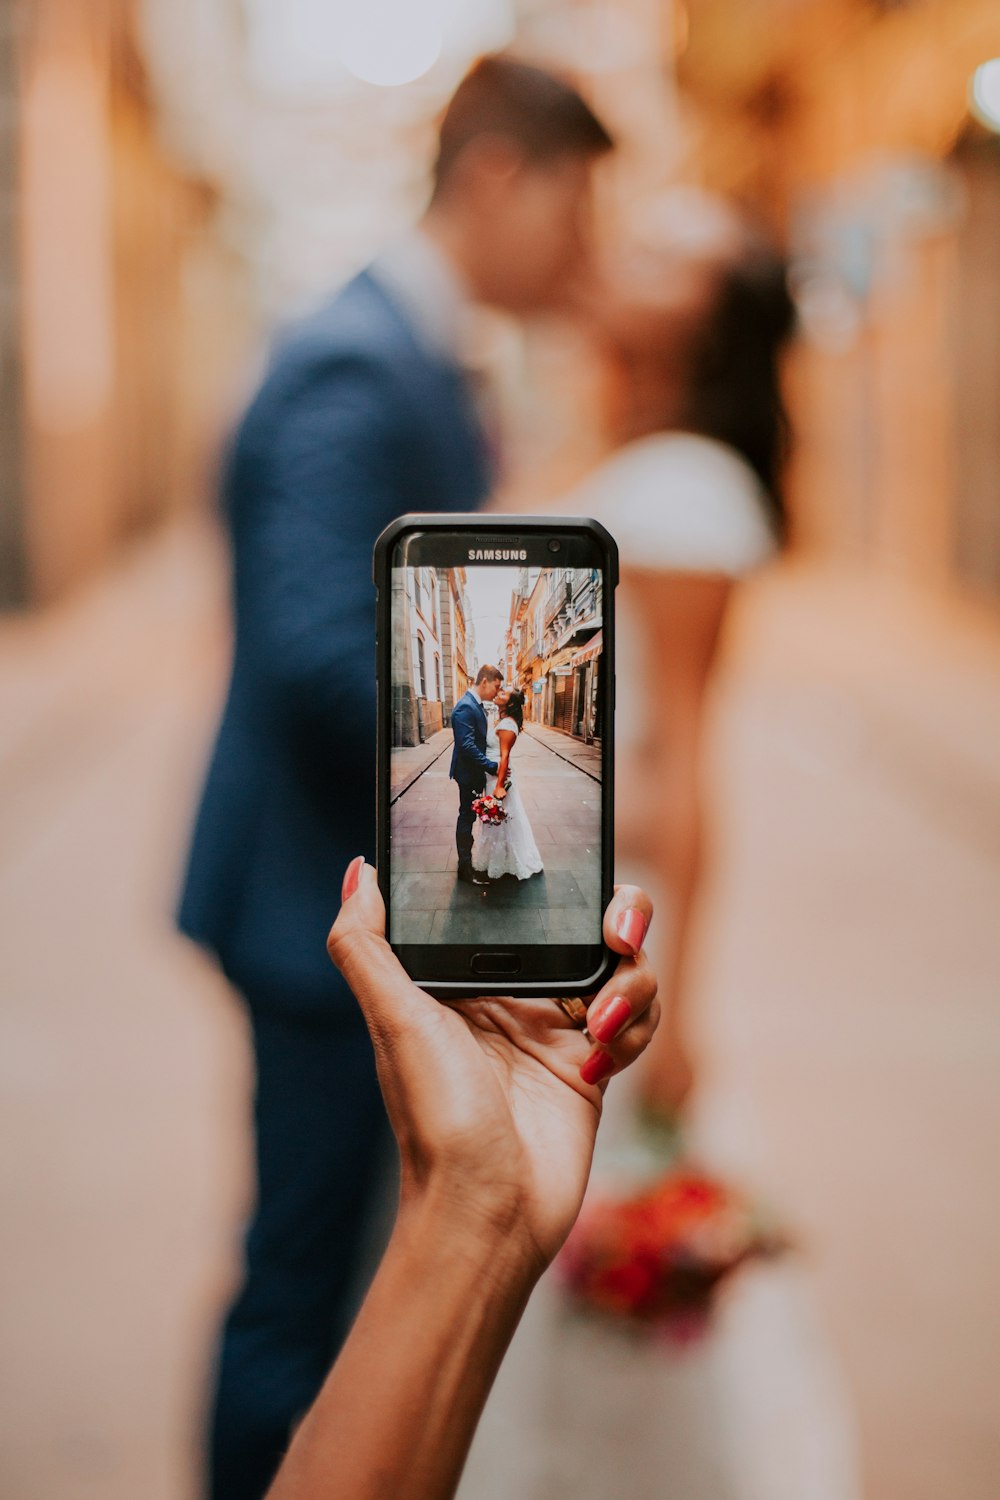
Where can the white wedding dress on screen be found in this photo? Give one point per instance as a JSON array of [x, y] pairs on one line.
[[584, 1409], [506, 848]]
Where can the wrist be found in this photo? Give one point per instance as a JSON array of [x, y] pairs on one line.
[[399, 1408], [485, 1234]]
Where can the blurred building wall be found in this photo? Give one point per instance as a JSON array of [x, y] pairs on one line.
[[129, 305], [977, 357], [173, 206], [847, 126], [12, 580]]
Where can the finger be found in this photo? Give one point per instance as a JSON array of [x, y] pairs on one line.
[[409, 1030], [357, 945], [627, 919], [626, 996], [632, 1041], [602, 1063], [621, 1019]]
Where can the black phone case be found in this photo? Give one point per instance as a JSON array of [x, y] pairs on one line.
[[492, 525]]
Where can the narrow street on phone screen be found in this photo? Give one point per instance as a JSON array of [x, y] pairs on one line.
[[556, 776]]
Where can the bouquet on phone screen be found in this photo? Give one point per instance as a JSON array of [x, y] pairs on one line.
[[489, 809]]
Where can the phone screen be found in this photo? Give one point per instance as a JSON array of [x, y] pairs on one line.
[[496, 764]]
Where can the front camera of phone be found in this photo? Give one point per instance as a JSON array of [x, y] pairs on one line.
[[555, 546]]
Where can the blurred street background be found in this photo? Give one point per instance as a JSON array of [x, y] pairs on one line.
[[179, 176]]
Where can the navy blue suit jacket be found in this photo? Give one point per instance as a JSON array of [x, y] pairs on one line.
[[355, 423], [469, 761]]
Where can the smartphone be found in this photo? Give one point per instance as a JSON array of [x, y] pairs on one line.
[[495, 667]]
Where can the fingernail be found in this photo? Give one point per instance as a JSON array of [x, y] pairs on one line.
[[597, 1066], [631, 928], [351, 877], [610, 1018]]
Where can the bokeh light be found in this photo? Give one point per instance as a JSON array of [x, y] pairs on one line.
[[393, 42], [985, 93], [316, 47]]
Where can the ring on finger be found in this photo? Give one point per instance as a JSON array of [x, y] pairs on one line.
[[575, 1009]]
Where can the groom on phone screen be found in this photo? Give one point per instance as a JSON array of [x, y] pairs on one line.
[[470, 764]]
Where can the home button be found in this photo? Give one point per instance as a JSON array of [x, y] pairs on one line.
[[495, 963]]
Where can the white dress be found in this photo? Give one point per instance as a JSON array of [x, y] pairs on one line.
[[584, 1410], [506, 848], [674, 503]]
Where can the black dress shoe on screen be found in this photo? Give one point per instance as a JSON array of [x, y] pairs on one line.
[[472, 876]]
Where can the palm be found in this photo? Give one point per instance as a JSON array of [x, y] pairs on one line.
[[486, 1096], [530, 1120]]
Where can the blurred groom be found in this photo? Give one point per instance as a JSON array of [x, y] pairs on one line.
[[365, 413]]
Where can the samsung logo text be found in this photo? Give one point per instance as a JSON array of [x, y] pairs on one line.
[[496, 554]]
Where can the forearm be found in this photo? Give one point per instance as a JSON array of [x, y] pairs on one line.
[[502, 768], [686, 876], [429, 1341], [668, 1076], [675, 841]]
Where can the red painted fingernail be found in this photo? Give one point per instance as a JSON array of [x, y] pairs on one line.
[[610, 1018], [351, 877], [631, 928], [597, 1066]]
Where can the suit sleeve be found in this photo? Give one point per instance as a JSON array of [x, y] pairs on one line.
[[465, 738], [318, 478]]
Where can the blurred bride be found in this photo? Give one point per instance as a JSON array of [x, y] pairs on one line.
[[691, 331], [691, 339]]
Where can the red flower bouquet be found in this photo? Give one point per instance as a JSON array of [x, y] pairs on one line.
[[657, 1258], [489, 809]]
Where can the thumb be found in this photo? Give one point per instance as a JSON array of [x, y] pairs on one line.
[[357, 945], [361, 901], [405, 1024]]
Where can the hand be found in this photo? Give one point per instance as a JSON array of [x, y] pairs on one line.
[[495, 1102], [499, 792]]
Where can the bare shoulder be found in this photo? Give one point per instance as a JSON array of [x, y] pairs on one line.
[[680, 502]]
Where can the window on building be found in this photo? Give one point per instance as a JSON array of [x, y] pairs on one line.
[[421, 669], [437, 674]]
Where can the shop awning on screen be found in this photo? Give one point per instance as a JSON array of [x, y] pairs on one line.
[[589, 651]]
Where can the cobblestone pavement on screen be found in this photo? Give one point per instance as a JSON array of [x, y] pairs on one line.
[[562, 905]]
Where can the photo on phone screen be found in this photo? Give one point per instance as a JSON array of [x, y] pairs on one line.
[[499, 664]]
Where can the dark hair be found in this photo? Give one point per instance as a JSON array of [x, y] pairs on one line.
[[542, 114], [514, 708], [488, 674], [733, 388]]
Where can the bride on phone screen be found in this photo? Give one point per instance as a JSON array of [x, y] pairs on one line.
[[507, 847]]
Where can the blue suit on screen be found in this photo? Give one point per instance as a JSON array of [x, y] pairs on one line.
[[469, 767], [469, 761], [356, 422]]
